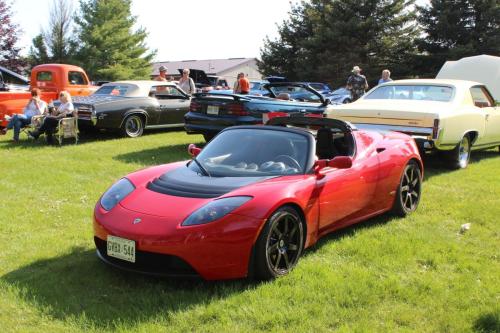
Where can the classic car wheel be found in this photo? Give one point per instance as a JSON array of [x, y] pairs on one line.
[[133, 126], [409, 190], [280, 244], [460, 155], [346, 101]]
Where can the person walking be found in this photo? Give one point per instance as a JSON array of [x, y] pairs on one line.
[[386, 77], [34, 107], [236, 86], [357, 83], [186, 83]]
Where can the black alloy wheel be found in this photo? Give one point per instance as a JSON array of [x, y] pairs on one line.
[[409, 190], [280, 244], [133, 126]]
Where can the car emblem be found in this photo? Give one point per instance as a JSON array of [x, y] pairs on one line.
[[137, 220]]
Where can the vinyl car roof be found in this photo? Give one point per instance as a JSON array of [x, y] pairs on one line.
[[140, 88]]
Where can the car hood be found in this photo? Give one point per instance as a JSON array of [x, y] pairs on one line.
[[179, 192]]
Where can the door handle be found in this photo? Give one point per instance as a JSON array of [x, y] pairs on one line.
[[486, 117]]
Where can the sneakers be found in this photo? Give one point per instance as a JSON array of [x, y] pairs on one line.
[[7, 117]]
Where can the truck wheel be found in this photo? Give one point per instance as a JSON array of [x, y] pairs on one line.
[[409, 190], [459, 157], [280, 244], [133, 126]]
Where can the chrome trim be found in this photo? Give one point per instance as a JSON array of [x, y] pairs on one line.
[[164, 126], [410, 130]]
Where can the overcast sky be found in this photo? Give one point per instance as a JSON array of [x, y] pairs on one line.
[[184, 29]]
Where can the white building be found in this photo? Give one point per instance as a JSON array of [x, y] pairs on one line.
[[224, 68]]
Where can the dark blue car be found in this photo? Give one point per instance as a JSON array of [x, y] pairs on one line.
[[211, 113]]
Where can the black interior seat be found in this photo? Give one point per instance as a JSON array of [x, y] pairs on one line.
[[325, 147]]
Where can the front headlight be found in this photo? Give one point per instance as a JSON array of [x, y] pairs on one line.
[[215, 210], [116, 193]]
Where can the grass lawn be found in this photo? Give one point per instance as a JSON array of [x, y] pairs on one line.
[[417, 274]]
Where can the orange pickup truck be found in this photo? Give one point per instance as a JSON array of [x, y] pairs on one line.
[[51, 79]]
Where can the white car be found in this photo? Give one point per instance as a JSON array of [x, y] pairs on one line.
[[453, 116]]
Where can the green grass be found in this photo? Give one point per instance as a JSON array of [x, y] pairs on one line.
[[417, 274]]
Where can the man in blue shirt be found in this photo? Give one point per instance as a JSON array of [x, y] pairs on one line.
[[386, 77]]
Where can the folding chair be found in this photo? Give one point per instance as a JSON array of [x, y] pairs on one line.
[[67, 128]]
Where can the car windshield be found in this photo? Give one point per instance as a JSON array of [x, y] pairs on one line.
[[112, 90], [317, 86], [412, 92], [255, 85], [254, 153], [296, 93]]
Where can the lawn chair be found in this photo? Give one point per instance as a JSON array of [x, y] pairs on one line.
[[36, 122], [67, 128]]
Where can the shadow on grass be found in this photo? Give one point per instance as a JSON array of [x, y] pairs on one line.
[[79, 284], [156, 156], [434, 164], [488, 323], [84, 138]]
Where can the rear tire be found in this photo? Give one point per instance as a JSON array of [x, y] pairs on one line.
[[409, 190], [133, 126], [459, 157], [280, 244]]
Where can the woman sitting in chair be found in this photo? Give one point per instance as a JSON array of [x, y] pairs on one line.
[[34, 107], [66, 109]]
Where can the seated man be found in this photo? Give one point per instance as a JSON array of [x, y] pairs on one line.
[[34, 107]]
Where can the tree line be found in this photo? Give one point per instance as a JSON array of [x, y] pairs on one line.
[[321, 40], [99, 37]]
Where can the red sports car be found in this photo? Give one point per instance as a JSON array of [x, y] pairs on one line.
[[254, 198]]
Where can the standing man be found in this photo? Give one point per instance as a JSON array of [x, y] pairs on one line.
[[386, 77], [244, 84], [163, 74], [357, 83]]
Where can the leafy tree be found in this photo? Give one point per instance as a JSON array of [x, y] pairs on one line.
[[9, 36], [110, 49], [458, 28], [323, 39]]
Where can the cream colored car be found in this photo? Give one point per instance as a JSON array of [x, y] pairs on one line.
[[453, 116]]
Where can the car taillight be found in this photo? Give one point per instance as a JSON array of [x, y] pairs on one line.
[[435, 129], [195, 107], [237, 110]]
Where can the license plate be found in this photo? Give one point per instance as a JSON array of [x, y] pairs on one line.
[[121, 248], [214, 110]]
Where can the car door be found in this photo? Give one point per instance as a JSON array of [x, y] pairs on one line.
[[174, 104], [484, 101], [344, 193]]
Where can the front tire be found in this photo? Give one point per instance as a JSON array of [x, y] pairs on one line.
[[280, 244], [409, 190], [459, 157], [133, 126]]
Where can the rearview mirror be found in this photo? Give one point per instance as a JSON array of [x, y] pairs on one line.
[[193, 150]]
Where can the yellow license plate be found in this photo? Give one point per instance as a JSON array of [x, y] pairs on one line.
[[213, 110], [121, 248]]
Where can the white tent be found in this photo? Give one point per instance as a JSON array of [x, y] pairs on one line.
[[482, 68]]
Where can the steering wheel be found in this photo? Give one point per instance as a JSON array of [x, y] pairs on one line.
[[287, 158]]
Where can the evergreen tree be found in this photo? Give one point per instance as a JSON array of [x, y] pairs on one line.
[[9, 36], [110, 49], [337, 34], [38, 53], [458, 28]]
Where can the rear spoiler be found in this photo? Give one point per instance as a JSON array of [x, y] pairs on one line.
[[234, 96], [315, 121]]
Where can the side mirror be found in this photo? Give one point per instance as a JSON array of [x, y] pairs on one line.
[[193, 150]]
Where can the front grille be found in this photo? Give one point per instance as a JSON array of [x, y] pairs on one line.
[[84, 112], [148, 262]]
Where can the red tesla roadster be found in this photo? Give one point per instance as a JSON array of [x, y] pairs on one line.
[[254, 198]]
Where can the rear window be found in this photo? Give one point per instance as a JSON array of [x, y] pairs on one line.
[[412, 92], [76, 78], [44, 76], [112, 90]]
